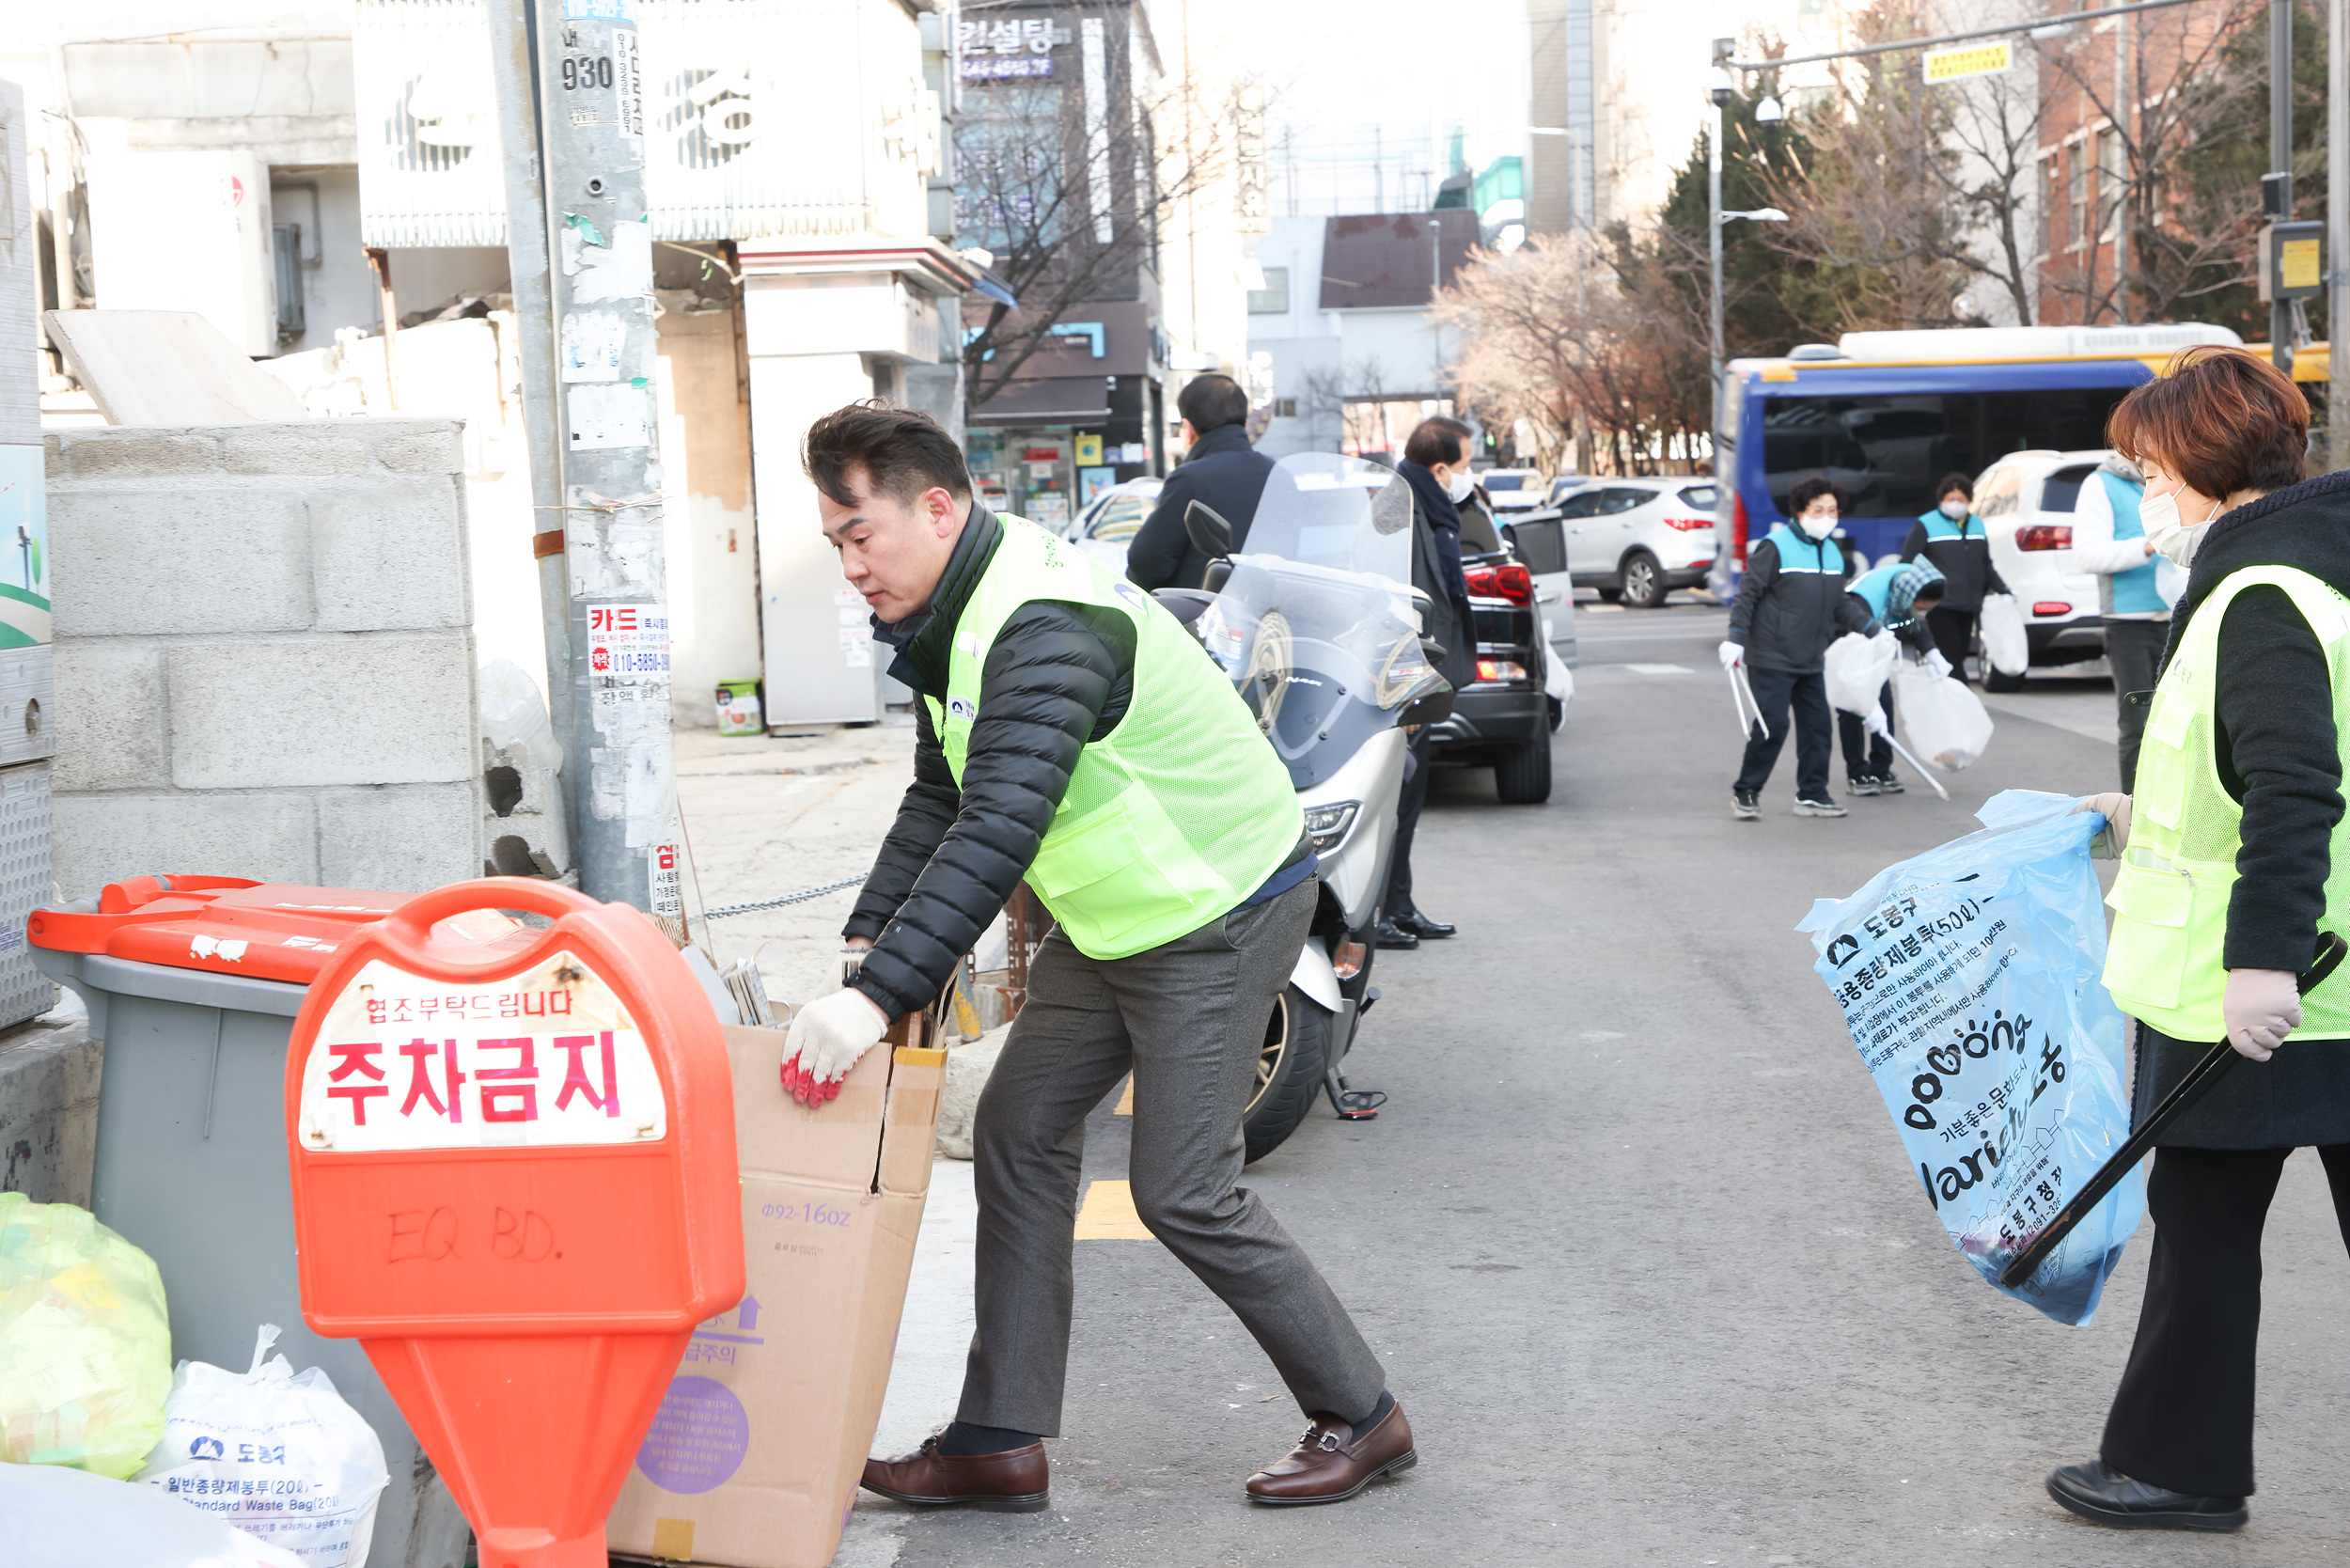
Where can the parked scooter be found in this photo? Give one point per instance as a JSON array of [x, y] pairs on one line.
[[1319, 627]]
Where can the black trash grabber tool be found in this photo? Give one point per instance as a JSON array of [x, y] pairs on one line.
[[2331, 949]]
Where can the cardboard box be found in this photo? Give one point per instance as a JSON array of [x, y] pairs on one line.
[[755, 1457]]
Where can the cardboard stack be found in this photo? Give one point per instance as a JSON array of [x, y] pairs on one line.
[[754, 1459]]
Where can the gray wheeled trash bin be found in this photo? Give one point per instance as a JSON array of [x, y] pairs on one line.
[[192, 1164]]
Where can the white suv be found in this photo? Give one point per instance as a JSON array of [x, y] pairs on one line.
[[2025, 502], [1633, 539]]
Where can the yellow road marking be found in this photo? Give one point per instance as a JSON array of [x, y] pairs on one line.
[[1108, 1215], [1126, 1101]]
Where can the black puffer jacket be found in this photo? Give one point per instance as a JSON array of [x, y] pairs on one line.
[[1057, 676], [1222, 470], [2279, 756], [1964, 560], [1785, 620]]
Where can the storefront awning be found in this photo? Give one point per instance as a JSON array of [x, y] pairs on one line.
[[1048, 401]]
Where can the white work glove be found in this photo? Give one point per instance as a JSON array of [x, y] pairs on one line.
[[828, 1036], [2260, 1008], [2115, 836], [1731, 655], [1937, 664], [1874, 721]]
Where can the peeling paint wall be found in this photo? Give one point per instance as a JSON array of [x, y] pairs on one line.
[[714, 552]]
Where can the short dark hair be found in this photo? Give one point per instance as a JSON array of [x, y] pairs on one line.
[[1811, 489], [1212, 402], [1958, 482], [2222, 419], [1438, 438], [903, 452]]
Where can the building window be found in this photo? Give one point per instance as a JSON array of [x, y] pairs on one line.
[[2077, 230], [2049, 217], [1274, 298], [2112, 183], [1285, 408]]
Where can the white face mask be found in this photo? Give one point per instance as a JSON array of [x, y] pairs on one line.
[[1457, 488], [1816, 528], [1954, 509], [2170, 535]]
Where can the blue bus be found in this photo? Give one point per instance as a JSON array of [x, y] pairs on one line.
[[1887, 414]]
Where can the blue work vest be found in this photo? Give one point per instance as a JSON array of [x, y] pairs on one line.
[[1937, 527], [2134, 591], [1796, 553]]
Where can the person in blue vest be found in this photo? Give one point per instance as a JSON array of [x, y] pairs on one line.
[[1897, 596], [1952, 536], [1791, 605], [2110, 541]]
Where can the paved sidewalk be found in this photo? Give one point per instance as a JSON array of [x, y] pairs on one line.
[[766, 816]]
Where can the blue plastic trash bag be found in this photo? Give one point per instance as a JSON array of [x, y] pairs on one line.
[[1970, 979]]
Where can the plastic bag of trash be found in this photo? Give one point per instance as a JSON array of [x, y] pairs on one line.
[[512, 714], [1970, 978], [274, 1451], [2003, 640], [85, 1345], [1857, 668], [1944, 721], [52, 1517]]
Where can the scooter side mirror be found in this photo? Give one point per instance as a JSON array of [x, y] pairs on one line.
[[1391, 509], [1207, 530], [1432, 709]]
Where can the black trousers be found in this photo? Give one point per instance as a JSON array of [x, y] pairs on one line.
[[1777, 691], [2182, 1416], [1867, 756], [2134, 648], [1953, 632], [1414, 795]]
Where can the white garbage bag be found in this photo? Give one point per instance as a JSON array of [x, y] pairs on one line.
[[56, 1517], [1943, 721], [1857, 668], [514, 714], [2003, 640], [274, 1453]]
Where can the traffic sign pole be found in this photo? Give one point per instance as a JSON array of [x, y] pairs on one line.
[[620, 756]]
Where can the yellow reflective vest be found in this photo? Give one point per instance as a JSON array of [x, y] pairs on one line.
[[2166, 964], [1172, 818]]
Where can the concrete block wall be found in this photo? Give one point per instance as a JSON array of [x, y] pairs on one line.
[[266, 655]]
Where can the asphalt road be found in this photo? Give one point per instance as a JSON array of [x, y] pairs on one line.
[[1634, 1235]]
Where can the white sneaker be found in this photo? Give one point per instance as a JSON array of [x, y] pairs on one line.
[[1806, 806]]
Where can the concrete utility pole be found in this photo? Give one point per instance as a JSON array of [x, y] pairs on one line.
[[2281, 311], [620, 756], [511, 80], [2337, 223], [1718, 94]]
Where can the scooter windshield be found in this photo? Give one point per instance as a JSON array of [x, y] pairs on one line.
[[1320, 509], [1324, 658]]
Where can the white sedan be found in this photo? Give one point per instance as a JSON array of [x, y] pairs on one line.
[[1110, 521]]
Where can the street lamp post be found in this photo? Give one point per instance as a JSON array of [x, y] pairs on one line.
[[1720, 94]]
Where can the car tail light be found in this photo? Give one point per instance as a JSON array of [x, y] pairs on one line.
[[1688, 525], [1501, 670], [2051, 606], [1502, 580], [2044, 536], [1348, 962], [1738, 529]]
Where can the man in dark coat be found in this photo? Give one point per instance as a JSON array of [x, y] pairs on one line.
[[1221, 470], [1436, 466]]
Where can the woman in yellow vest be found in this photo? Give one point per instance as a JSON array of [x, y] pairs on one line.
[[2232, 860]]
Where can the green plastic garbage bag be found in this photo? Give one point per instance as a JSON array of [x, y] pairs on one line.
[[84, 1347]]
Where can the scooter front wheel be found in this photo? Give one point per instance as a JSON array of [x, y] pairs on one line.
[[1290, 1069]]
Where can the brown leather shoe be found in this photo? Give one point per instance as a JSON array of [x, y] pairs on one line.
[[1014, 1482], [1331, 1463]]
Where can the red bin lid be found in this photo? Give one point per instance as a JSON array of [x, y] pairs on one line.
[[278, 931]]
